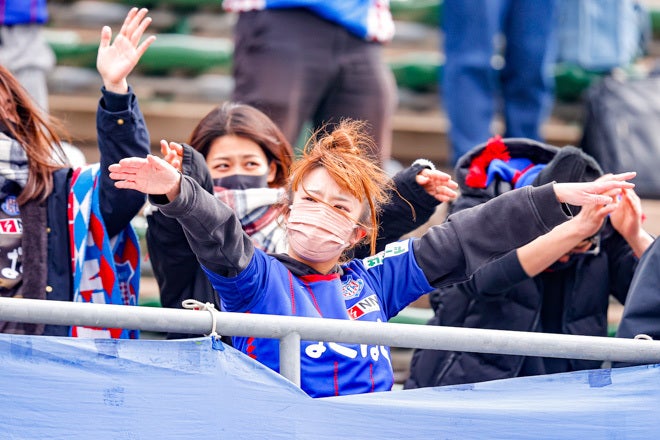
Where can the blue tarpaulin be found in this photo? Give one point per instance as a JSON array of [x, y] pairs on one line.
[[66, 388]]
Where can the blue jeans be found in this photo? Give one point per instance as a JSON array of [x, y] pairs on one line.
[[476, 84]]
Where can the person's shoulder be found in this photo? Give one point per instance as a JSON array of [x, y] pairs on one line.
[[392, 251]]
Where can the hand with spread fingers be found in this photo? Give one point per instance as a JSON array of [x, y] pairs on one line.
[[116, 60], [601, 191], [150, 175]]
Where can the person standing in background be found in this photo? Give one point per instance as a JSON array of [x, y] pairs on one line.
[[497, 51], [23, 47], [300, 61]]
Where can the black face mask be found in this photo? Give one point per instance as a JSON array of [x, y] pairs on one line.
[[242, 181]]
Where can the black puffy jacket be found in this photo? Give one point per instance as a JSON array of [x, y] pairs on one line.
[[501, 296]]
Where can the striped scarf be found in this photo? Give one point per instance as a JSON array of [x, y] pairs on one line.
[[105, 271], [13, 165], [260, 219]]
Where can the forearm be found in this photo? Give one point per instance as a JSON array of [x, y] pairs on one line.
[[452, 251], [540, 253], [194, 165], [409, 207], [121, 133], [494, 279], [214, 233], [640, 242]]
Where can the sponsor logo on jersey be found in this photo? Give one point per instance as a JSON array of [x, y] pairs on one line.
[[351, 288], [391, 250], [364, 306], [10, 206], [11, 226]]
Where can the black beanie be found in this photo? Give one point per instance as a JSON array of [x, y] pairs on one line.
[[570, 164]]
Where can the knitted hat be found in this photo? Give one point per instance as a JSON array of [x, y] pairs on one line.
[[570, 164]]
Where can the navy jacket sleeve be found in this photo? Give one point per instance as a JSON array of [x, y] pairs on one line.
[[641, 314], [175, 266], [121, 132], [410, 206]]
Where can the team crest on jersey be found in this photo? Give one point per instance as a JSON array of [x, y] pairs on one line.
[[351, 288], [364, 306], [10, 206]]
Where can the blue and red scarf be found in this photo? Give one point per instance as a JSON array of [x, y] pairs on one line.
[[105, 271]]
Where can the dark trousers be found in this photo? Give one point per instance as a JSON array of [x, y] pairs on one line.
[[299, 68]]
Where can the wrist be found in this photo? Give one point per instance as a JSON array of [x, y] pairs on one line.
[[572, 231], [424, 163], [120, 87], [640, 242], [174, 192]]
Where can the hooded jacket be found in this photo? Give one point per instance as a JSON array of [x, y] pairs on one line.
[[501, 296]]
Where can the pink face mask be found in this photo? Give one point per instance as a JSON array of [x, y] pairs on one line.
[[317, 232]]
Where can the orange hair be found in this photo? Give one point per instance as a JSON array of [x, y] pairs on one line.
[[344, 153]]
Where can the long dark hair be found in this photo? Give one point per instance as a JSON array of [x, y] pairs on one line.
[[245, 121], [37, 134]]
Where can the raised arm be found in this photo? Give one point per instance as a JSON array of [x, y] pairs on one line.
[[539, 254], [174, 263], [476, 235], [420, 188], [121, 129], [211, 227]]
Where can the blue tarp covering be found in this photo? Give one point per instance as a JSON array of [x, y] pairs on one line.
[[64, 388]]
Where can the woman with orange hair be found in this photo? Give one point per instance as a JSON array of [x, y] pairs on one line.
[[238, 153], [335, 191]]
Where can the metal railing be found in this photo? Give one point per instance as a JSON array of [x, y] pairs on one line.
[[290, 330]]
